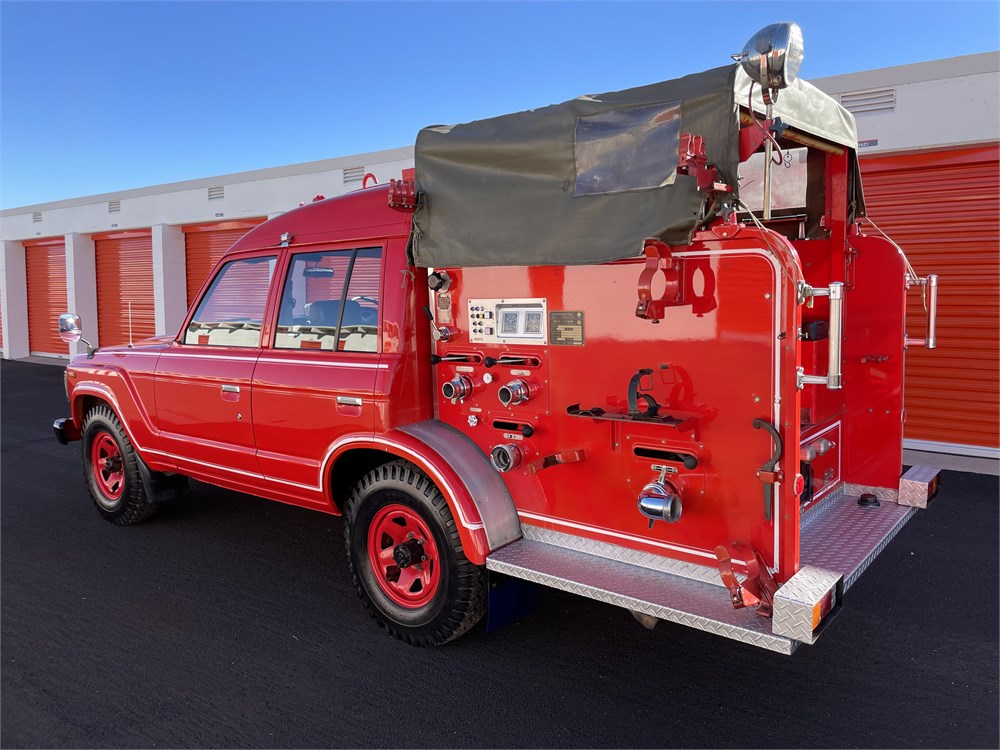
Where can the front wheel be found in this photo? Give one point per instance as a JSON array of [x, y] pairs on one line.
[[406, 558], [111, 469]]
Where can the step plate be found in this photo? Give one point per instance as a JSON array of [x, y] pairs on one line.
[[842, 536], [652, 592], [837, 535]]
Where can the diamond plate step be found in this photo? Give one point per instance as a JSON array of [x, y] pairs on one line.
[[653, 592], [840, 535]]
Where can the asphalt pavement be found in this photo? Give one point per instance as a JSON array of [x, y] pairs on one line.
[[229, 621]]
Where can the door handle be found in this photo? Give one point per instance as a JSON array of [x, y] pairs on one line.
[[348, 401], [230, 388]]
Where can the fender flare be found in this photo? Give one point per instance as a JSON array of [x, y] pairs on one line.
[[476, 494], [160, 487]]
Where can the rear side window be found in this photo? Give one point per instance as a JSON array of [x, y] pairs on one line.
[[232, 310], [331, 301]]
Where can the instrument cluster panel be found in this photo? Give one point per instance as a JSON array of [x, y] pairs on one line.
[[508, 321]]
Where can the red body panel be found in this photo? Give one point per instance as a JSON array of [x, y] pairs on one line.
[[203, 427], [596, 497]]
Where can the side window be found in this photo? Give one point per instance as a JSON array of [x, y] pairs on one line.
[[330, 301], [232, 309]]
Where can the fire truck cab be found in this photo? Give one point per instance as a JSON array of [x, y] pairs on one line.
[[641, 346]]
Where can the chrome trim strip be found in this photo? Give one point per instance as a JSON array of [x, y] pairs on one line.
[[324, 363]]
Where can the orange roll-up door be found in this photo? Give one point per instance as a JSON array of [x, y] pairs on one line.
[[205, 244], [941, 207], [124, 276], [45, 265]]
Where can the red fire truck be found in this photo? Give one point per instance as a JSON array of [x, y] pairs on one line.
[[642, 346]]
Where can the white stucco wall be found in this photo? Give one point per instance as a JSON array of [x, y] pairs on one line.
[[940, 104], [247, 194]]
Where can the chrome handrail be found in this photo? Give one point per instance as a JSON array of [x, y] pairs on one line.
[[930, 290], [833, 378]]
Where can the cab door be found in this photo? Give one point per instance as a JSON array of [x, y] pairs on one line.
[[315, 383], [203, 380]]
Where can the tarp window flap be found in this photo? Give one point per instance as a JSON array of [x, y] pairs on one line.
[[634, 148]]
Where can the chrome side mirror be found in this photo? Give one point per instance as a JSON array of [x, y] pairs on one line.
[[772, 57], [71, 331]]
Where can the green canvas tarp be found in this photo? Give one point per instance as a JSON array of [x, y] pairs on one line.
[[588, 180]]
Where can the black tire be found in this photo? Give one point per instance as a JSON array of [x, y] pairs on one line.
[[129, 504], [459, 599]]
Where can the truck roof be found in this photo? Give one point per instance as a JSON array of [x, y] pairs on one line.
[[360, 215]]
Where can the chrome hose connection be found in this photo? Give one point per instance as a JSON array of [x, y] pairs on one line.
[[514, 393], [458, 388], [505, 457]]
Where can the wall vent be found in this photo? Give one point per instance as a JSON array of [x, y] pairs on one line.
[[216, 193], [36, 216], [354, 174], [114, 207], [862, 102]]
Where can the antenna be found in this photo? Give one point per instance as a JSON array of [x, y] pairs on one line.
[[130, 324]]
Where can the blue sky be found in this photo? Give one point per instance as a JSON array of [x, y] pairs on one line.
[[98, 97]]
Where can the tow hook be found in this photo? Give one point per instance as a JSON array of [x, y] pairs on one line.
[[757, 589]]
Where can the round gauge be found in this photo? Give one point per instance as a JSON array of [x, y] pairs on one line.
[[488, 378]]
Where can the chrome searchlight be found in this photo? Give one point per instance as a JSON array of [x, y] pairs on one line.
[[772, 57]]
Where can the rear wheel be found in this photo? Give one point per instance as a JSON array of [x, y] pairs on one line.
[[111, 469], [406, 558]]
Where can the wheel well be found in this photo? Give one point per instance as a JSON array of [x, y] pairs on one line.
[[88, 402], [349, 469]]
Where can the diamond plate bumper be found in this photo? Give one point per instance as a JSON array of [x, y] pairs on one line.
[[652, 592], [918, 486], [838, 541], [799, 603]]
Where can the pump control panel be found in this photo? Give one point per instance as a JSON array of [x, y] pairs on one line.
[[508, 321]]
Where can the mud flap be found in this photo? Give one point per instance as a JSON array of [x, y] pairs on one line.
[[161, 488], [509, 599]]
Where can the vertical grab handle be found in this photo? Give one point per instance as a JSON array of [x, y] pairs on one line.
[[930, 285], [833, 379]]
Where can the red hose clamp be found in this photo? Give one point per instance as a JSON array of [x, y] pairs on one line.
[[659, 260], [757, 590]]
